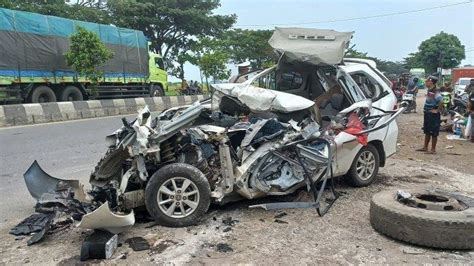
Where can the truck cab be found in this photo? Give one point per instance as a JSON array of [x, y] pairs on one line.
[[158, 76]]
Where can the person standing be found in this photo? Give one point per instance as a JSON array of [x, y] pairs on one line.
[[242, 68], [470, 105], [446, 87], [432, 117]]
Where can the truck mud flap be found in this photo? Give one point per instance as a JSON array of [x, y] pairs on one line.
[[39, 182]]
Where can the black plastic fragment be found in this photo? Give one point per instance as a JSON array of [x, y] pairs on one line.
[[99, 245], [138, 243]]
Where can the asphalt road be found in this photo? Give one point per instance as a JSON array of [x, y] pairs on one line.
[[67, 150]]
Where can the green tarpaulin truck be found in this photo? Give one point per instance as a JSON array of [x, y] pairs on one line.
[[33, 67]]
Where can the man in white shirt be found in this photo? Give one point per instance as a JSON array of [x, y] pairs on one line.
[[242, 69]]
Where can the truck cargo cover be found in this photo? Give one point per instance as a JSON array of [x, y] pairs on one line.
[[314, 46], [33, 45]]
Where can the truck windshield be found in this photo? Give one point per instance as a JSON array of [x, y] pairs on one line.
[[159, 63]]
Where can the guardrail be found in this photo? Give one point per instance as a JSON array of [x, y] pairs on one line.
[[36, 113]]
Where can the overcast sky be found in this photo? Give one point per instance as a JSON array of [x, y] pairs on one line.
[[390, 37]]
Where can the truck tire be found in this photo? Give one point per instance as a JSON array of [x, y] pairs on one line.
[[71, 93], [432, 219], [42, 94], [365, 166], [169, 204], [156, 90]]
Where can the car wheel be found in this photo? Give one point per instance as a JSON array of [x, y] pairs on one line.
[[43, 94], [177, 195], [433, 219], [71, 93], [156, 91], [365, 167]]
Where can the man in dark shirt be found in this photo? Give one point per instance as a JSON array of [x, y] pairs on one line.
[[432, 117]]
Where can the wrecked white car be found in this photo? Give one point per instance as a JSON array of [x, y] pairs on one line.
[[311, 117]]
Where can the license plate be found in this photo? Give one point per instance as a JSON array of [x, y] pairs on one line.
[[407, 96]]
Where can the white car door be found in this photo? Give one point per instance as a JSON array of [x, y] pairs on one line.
[[383, 99]]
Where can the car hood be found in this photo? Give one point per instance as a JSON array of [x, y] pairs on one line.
[[313, 46], [262, 100]]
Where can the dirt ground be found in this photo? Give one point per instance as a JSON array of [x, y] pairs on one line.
[[237, 234]]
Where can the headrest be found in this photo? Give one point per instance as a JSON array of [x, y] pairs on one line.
[[336, 101]]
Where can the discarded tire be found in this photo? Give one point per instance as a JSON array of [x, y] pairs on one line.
[[433, 219]]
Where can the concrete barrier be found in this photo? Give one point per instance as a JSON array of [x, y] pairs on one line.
[[35, 113]]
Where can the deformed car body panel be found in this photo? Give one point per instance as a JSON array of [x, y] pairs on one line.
[[39, 182], [314, 46], [104, 219], [263, 100]]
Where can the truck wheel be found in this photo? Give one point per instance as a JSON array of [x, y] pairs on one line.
[[365, 167], [177, 195], [427, 218], [71, 93], [156, 91], [43, 94]]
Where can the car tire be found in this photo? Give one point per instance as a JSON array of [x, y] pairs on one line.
[[156, 91], [171, 206], [438, 228], [365, 167], [43, 94], [71, 93]]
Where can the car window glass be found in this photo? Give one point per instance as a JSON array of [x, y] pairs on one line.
[[464, 82], [327, 77], [266, 81], [290, 80], [352, 88], [369, 86]]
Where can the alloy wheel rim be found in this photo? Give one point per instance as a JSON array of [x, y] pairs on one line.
[[365, 166], [178, 197]]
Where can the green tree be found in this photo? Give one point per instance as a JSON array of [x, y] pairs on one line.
[[441, 50], [353, 53], [249, 45], [171, 24], [211, 57], [388, 67], [91, 11], [87, 54], [213, 64], [412, 61]]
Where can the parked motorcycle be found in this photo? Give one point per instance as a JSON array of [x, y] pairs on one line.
[[410, 102], [460, 103]]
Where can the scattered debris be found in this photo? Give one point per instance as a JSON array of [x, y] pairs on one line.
[[261, 220], [224, 248], [99, 245], [229, 222], [453, 153], [227, 229], [449, 147], [122, 256], [138, 243], [280, 221], [38, 223], [163, 245], [280, 215]]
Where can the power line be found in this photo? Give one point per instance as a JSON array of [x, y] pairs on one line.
[[356, 18]]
